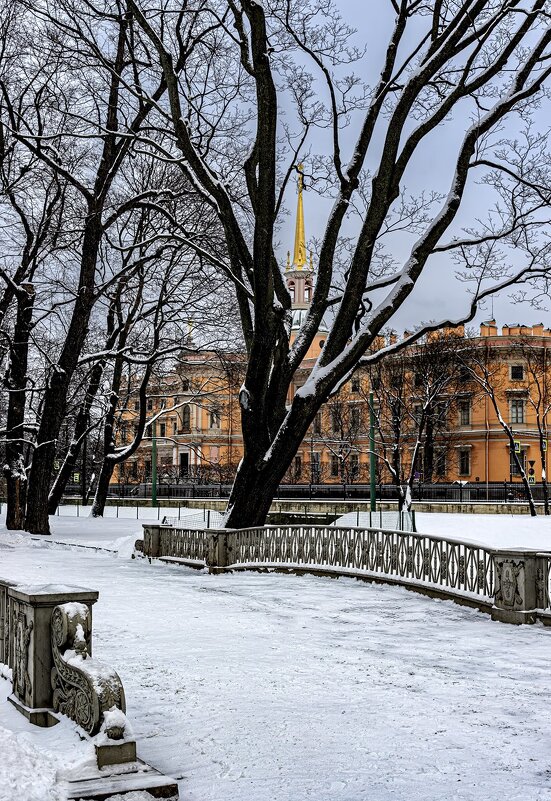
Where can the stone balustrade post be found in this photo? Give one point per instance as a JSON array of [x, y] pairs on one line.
[[4, 621], [218, 553], [30, 615], [516, 598], [152, 540]]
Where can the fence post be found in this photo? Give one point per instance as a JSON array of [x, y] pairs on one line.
[[516, 593], [218, 551], [152, 540]]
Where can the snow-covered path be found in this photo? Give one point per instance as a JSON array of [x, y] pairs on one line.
[[277, 688]]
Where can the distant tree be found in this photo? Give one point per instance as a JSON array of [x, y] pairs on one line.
[[535, 359], [417, 393], [486, 369]]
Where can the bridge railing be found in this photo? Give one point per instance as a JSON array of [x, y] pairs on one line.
[[514, 585]]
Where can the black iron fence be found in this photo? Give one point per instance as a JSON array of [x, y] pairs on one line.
[[494, 492]]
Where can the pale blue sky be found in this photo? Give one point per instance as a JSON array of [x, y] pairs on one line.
[[438, 294]]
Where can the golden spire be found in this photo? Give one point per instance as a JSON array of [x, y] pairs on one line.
[[299, 256]]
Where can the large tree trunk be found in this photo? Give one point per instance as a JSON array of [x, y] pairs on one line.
[[81, 425], [16, 383], [252, 493], [55, 396], [102, 489]]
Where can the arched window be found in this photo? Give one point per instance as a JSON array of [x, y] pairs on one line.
[[186, 420], [307, 293]]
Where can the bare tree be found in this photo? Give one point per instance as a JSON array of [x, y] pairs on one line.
[[486, 370], [417, 392], [538, 396], [480, 60]]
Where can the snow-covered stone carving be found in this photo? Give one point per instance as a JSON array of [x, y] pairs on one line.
[[22, 684], [84, 689]]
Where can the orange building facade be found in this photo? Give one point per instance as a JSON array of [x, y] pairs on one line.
[[198, 435]]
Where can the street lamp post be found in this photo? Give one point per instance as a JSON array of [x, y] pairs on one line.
[[372, 466], [153, 464]]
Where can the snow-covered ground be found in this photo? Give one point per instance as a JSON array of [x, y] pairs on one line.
[[251, 687], [498, 531]]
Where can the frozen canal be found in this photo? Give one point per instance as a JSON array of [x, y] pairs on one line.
[[255, 687]]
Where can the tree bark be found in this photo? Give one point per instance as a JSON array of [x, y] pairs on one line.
[[81, 425], [16, 383], [252, 494], [55, 396]]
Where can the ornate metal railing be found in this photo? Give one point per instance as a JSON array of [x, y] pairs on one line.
[[450, 564], [446, 563], [185, 543], [514, 584]]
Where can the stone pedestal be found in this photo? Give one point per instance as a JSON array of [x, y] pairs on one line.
[[30, 614], [152, 540], [515, 589], [218, 557]]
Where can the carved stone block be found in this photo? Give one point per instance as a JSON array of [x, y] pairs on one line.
[[30, 613], [515, 587]]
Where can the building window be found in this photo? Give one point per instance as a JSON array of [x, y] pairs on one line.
[[185, 385], [174, 428], [307, 291], [123, 433], [418, 380], [315, 467], [186, 420], [439, 463], [134, 469], [513, 465], [162, 430], [335, 466], [149, 404], [297, 467], [417, 412], [317, 423], [517, 372], [292, 291], [354, 467], [214, 455], [464, 412], [136, 405], [517, 410], [440, 411], [335, 421], [355, 383], [322, 343], [465, 462], [354, 418]]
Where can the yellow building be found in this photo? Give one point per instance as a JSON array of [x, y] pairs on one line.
[[198, 433]]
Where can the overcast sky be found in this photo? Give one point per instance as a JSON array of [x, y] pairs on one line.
[[437, 294]]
